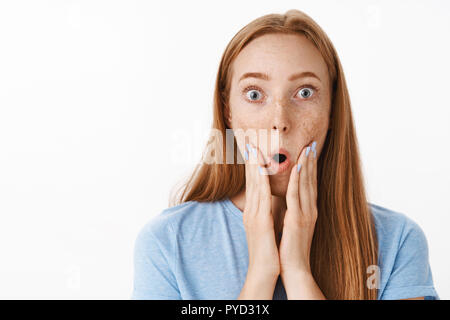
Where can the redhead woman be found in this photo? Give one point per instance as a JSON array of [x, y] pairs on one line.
[[287, 219]]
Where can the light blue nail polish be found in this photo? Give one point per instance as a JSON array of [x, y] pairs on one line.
[[307, 150], [254, 152], [313, 146], [248, 147], [246, 154], [298, 167], [260, 170], [314, 154]]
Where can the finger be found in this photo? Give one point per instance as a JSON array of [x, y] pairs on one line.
[[310, 176], [249, 183], [311, 160], [292, 194], [314, 175], [258, 157], [247, 172], [312, 212], [262, 183], [304, 183], [253, 196]]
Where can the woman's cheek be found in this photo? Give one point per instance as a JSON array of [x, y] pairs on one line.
[[312, 127], [248, 120]]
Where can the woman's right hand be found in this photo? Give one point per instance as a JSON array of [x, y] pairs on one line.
[[258, 219]]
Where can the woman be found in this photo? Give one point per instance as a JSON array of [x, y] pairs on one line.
[[284, 222]]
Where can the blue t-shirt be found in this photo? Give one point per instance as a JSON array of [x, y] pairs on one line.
[[198, 251]]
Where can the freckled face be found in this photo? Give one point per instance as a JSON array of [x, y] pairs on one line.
[[298, 108]]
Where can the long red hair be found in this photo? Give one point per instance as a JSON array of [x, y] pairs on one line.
[[344, 243]]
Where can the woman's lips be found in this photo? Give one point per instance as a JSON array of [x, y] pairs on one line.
[[276, 167]]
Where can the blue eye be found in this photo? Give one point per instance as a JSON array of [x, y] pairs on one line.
[[253, 94], [305, 94]]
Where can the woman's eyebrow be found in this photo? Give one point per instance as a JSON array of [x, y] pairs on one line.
[[265, 76]]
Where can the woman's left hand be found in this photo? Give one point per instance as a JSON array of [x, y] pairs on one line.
[[301, 215]]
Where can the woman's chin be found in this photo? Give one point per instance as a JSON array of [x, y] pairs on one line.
[[279, 185]]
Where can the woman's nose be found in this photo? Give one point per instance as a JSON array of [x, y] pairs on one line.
[[280, 118], [280, 127]]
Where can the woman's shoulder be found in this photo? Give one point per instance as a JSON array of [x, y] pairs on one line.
[[395, 226], [403, 256], [184, 215]]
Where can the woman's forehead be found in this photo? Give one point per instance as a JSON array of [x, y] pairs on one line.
[[278, 57]]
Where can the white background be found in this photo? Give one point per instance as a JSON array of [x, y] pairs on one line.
[[106, 105]]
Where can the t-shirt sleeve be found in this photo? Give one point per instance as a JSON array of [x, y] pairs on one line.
[[153, 268], [411, 276]]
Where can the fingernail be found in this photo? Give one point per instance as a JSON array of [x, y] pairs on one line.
[[246, 154], [307, 150], [260, 170], [254, 152], [313, 148], [248, 147], [298, 167]]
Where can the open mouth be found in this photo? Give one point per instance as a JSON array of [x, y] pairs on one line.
[[279, 157], [280, 161]]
